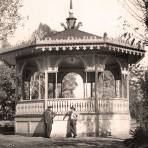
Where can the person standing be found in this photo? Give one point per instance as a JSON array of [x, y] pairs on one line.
[[71, 123], [49, 116]]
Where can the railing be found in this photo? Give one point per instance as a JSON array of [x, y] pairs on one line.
[[81, 105], [113, 106], [30, 107], [62, 105]]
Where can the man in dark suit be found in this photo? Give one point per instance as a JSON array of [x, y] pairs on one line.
[[49, 115]]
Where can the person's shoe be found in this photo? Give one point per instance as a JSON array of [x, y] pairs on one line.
[[74, 136]]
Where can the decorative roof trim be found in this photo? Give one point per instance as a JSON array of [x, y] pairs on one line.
[[76, 42]]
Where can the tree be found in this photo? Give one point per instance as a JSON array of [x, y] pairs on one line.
[[136, 92], [7, 92], [146, 16], [138, 106], [9, 17], [144, 88], [43, 31], [68, 85]]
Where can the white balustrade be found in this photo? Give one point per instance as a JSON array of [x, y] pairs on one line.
[[30, 107], [113, 106], [62, 105], [81, 105]]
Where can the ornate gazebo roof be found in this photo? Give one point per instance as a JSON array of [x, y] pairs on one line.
[[74, 40], [73, 33]]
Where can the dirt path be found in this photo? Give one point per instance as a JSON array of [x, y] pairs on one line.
[[15, 141]]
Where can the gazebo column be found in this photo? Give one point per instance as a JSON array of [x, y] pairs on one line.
[[91, 87], [22, 86], [46, 90], [16, 81], [124, 83], [127, 83], [117, 84], [39, 87], [96, 90], [86, 93], [122, 86], [56, 85], [98, 69]]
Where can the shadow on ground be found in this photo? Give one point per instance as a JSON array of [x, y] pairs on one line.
[[6, 130]]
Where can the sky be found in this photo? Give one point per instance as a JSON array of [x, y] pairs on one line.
[[97, 17]]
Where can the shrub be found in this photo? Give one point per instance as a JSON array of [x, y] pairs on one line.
[[139, 137]]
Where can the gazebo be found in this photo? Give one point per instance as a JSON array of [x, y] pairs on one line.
[[101, 62]]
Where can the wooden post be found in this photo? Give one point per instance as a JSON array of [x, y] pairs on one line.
[[96, 90], [84, 90], [127, 83], [123, 90], [86, 85], [16, 82], [96, 101], [46, 91], [56, 88], [39, 87], [91, 89], [127, 88]]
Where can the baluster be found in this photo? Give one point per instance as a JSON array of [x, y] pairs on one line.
[[57, 107], [70, 104], [90, 106], [82, 109], [85, 107], [78, 106], [75, 104], [54, 107], [62, 106], [67, 104]]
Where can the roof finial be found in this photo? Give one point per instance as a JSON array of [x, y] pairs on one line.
[[71, 20], [71, 6]]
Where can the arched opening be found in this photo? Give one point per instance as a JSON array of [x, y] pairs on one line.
[[70, 78], [107, 88], [33, 82], [72, 86], [111, 81]]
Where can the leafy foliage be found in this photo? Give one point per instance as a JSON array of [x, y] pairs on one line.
[[145, 101], [68, 85], [9, 16], [136, 92], [7, 92], [138, 106], [43, 31], [107, 83], [139, 137]]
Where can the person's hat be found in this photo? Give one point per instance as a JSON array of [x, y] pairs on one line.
[[50, 106], [72, 108]]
